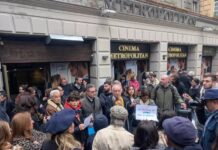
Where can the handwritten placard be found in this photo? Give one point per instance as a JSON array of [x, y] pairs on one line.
[[146, 112]]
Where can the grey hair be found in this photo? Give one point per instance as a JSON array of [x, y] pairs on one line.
[[53, 92], [89, 86], [117, 122]]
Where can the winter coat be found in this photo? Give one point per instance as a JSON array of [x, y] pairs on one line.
[[166, 97], [28, 144], [113, 138], [90, 107], [52, 107], [209, 133], [106, 103], [3, 114]]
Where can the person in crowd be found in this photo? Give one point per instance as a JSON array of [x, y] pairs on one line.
[[133, 82], [180, 134], [32, 92], [117, 98], [124, 81], [210, 100], [106, 99], [166, 95], [185, 79], [90, 104], [28, 103], [194, 91], [85, 82], [54, 103], [3, 107], [5, 136], [131, 102], [114, 137], [101, 88], [215, 143], [216, 74], [77, 86], [55, 81], [174, 78], [22, 90], [73, 102], [23, 133], [46, 98], [99, 123], [146, 137], [145, 98], [61, 128], [151, 82], [163, 116], [61, 93], [209, 81], [66, 87]]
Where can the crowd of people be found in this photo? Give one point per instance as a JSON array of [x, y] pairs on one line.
[[187, 110]]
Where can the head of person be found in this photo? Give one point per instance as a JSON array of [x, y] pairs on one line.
[[107, 86], [47, 92], [209, 81], [132, 76], [90, 90], [61, 126], [164, 80], [63, 81], [145, 95], [210, 99], [174, 78], [61, 90], [5, 135], [3, 96], [165, 115], [180, 132], [195, 82], [146, 136], [130, 91], [191, 73], [118, 116], [26, 102], [23, 88], [55, 96], [32, 91], [74, 99], [55, 80], [79, 80], [85, 81], [22, 125], [117, 90], [152, 76], [100, 122]]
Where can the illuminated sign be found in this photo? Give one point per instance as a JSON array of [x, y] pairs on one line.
[[129, 51], [177, 52]]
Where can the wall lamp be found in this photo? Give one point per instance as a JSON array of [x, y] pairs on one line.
[[104, 57], [107, 12], [164, 57]]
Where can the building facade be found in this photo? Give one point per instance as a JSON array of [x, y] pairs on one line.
[[118, 36]]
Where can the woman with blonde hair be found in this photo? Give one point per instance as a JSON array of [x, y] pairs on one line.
[[23, 133], [5, 136], [61, 128]]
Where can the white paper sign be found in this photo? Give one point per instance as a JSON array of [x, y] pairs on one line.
[[146, 112], [88, 120]]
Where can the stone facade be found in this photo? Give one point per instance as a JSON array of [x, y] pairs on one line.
[[68, 20]]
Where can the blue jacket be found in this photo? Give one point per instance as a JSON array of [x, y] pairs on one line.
[[3, 115], [209, 134]]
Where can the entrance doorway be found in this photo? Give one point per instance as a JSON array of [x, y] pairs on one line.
[[34, 74]]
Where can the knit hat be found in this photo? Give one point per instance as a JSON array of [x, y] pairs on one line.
[[180, 130], [100, 122], [60, 121], [118, 112], [211, 94]]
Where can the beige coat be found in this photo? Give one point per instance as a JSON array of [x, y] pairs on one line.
[[113, 138]]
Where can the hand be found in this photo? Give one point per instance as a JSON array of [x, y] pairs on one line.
[[17, 147], [81, 127], [35, 142], [133, 104], [186, 96], [183, 105]]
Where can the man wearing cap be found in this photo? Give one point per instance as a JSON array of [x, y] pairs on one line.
[[210, 99], [114, 137], [180, 134], [3, 114]]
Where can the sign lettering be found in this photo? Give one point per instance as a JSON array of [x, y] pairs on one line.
[[149, 11]]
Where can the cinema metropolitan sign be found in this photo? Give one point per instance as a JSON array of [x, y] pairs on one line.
[[129, 51], [149, 11], [177, 52]]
